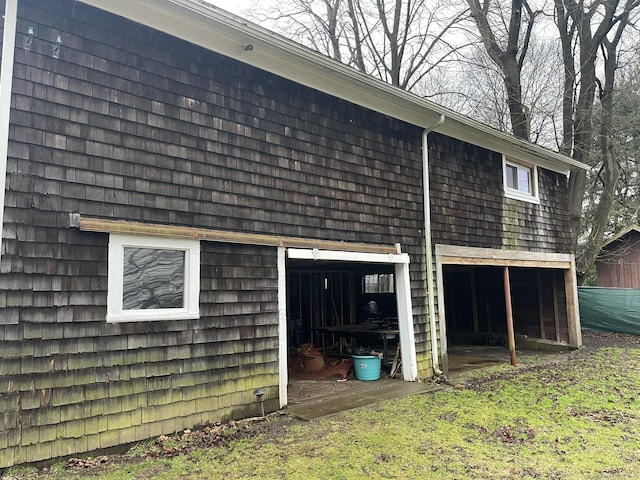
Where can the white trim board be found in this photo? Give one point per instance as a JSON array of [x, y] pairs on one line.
[[6, 85], [345, 256]]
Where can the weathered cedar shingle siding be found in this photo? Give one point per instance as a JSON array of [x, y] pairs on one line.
[[209, 141], [128, 123], [469, 208], [98, 385]]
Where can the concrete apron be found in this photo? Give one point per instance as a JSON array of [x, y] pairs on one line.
[[469, 357], [310, 399]]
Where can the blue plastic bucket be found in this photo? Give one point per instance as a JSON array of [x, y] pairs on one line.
[[367, 367]]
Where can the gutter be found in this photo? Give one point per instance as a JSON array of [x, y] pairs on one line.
[[428, 248], [6, 84]]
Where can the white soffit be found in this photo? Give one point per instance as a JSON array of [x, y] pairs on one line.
[[232, 36]]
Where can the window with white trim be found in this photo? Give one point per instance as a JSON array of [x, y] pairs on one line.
[[520, 180], [153, 278]]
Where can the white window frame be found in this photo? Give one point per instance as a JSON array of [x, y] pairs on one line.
[[378, 283], [527, 196], [191, 308]]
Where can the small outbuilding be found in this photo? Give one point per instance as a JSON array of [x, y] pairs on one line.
[[618, 264]]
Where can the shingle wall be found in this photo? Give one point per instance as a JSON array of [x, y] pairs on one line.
[[75, 383], [618, 265], [469, 207], [118, 121]]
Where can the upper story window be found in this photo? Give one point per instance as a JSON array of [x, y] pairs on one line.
[[152, 278], [520, 180]]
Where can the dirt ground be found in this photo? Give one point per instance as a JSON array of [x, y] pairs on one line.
[[593, 340]]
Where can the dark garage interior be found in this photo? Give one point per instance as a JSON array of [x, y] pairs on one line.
[[475, 304], [342, 308]]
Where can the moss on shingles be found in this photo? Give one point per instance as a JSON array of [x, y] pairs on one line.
[[574, 418]]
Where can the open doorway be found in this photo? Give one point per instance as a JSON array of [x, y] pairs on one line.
[[342, 309], [348, 303], [475, 306], [481, 289]]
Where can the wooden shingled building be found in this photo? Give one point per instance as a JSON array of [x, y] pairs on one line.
[[188, 198]]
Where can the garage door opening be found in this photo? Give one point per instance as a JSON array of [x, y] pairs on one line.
[[475, 306], [342, 309], [503, 299], [347, 303]]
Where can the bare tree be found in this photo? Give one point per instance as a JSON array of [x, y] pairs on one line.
[[612, 196], [398, 41], [589, 32], [508, 48], [477, 89], [626, 137], [593, 28]]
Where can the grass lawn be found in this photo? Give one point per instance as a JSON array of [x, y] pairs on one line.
[[576, 417]]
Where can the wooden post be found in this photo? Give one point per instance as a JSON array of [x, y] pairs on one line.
[[541, 305], [510, 331], [474, 302], [556, 306], [573, 310]]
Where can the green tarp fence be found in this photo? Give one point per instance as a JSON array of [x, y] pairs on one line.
[[610, 309]]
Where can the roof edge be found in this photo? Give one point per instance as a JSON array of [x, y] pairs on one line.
[[620, 234]]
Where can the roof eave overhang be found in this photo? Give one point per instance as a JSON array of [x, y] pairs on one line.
[[224, 33], [620, 234]]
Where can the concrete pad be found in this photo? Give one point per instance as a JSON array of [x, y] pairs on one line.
[[309, 400], [313, 399]]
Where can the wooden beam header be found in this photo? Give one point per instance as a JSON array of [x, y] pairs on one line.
[[102, 225], [456, 255]]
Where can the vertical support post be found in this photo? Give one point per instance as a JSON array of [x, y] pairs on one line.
[[441, 312], [510, 330], [474, 301], [353, 288], [573, 309], [405, 323], [283, 375], [541, 305], [556, 306]]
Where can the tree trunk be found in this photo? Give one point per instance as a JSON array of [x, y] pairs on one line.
[[517, 109], [589, 43], [610, 171], [506, 58]]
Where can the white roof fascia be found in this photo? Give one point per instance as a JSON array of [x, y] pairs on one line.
[[221, 32]]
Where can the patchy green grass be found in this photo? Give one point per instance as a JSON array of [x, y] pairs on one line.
[[577, 417]]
